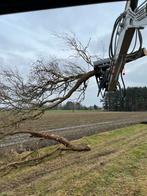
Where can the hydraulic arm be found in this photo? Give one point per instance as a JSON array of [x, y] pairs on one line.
[[128, 25]]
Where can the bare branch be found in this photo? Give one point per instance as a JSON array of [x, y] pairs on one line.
[[77, 47], [48, 85], [57, 138]]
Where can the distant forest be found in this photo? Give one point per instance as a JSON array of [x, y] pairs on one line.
[[135, 100], [70, 105]]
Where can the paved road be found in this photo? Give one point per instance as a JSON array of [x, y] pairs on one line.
[[22, 142]]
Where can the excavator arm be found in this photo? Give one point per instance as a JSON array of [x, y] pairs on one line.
[[124, 40], [127, 25]]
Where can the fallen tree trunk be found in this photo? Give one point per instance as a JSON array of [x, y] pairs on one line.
[[57, 138], [44, 135]]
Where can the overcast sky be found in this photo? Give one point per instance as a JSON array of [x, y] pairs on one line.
[[25, 37]]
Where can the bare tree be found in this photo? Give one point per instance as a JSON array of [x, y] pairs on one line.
[[48, 85]]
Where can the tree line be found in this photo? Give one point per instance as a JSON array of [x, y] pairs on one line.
[[135, 100], [71, 105]]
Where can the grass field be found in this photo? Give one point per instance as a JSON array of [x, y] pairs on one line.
[[116, 165]]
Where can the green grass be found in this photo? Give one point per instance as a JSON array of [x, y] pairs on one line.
[[116, 165]]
